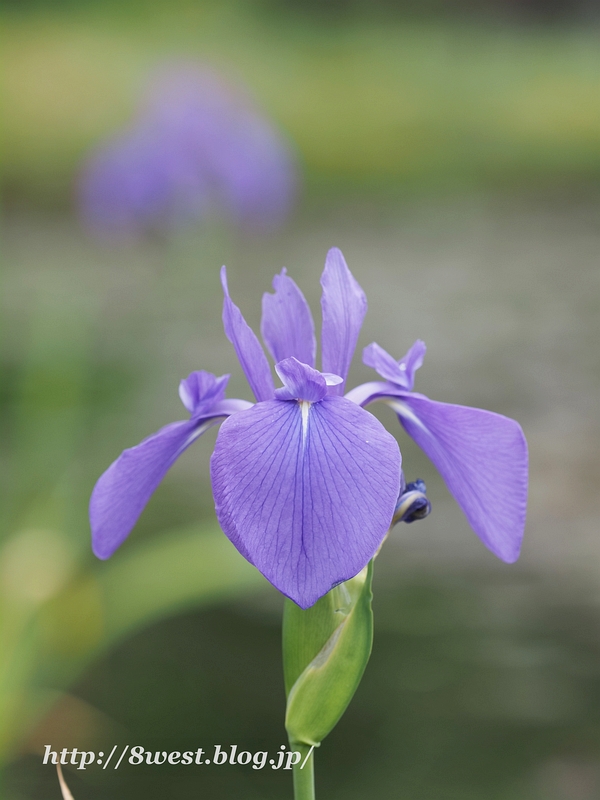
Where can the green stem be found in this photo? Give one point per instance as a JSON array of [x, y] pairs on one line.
[[304, 772]]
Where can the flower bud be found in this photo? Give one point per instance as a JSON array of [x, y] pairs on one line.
[[326, 649], [412, 504]]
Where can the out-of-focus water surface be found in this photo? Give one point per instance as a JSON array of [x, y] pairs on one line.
[[485, 678]]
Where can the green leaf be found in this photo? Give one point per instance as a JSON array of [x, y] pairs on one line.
[[326, 650], [171, 573]]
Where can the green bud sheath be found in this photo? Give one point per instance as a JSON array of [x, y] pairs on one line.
[[325, 651]]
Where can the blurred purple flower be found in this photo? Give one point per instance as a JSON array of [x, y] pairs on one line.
[[198, 148], [306, 482]]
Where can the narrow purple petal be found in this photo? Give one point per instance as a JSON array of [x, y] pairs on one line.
[[306, 497], [201, 390], [300, 381], [380, 360], [247, 347], [413, 361], [483, 459], [122, 492], [287, 325], [344, 306], [401, 373]]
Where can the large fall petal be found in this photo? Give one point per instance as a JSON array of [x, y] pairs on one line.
[[306, 492], [122, 492], [482, 457]]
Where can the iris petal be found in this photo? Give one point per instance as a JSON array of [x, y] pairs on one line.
[[401, 373], [306, 497], [300, 381], [287, 325], [344, 306], [247, 347], [483, 459], [201, 390], [122, 492]]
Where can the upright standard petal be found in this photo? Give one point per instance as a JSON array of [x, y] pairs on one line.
[[287, 325], [344, 306], [247, 347], [483, 459], [123, 491], [307, 500]]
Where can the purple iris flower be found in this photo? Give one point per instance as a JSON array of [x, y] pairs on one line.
[[306, 482], [197, 148]]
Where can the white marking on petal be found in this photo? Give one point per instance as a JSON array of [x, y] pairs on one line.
[[405, 411], [304, 408]]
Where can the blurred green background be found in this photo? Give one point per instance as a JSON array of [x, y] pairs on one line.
[[452, 151]]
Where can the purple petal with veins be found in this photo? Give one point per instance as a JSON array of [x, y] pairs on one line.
[[300, 382], [122, 492], [247, 347], [482, 456], [344, 306], [287, 325], [483, 459], [307, 498]]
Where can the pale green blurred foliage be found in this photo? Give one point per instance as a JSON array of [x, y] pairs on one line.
[[53, 627]]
